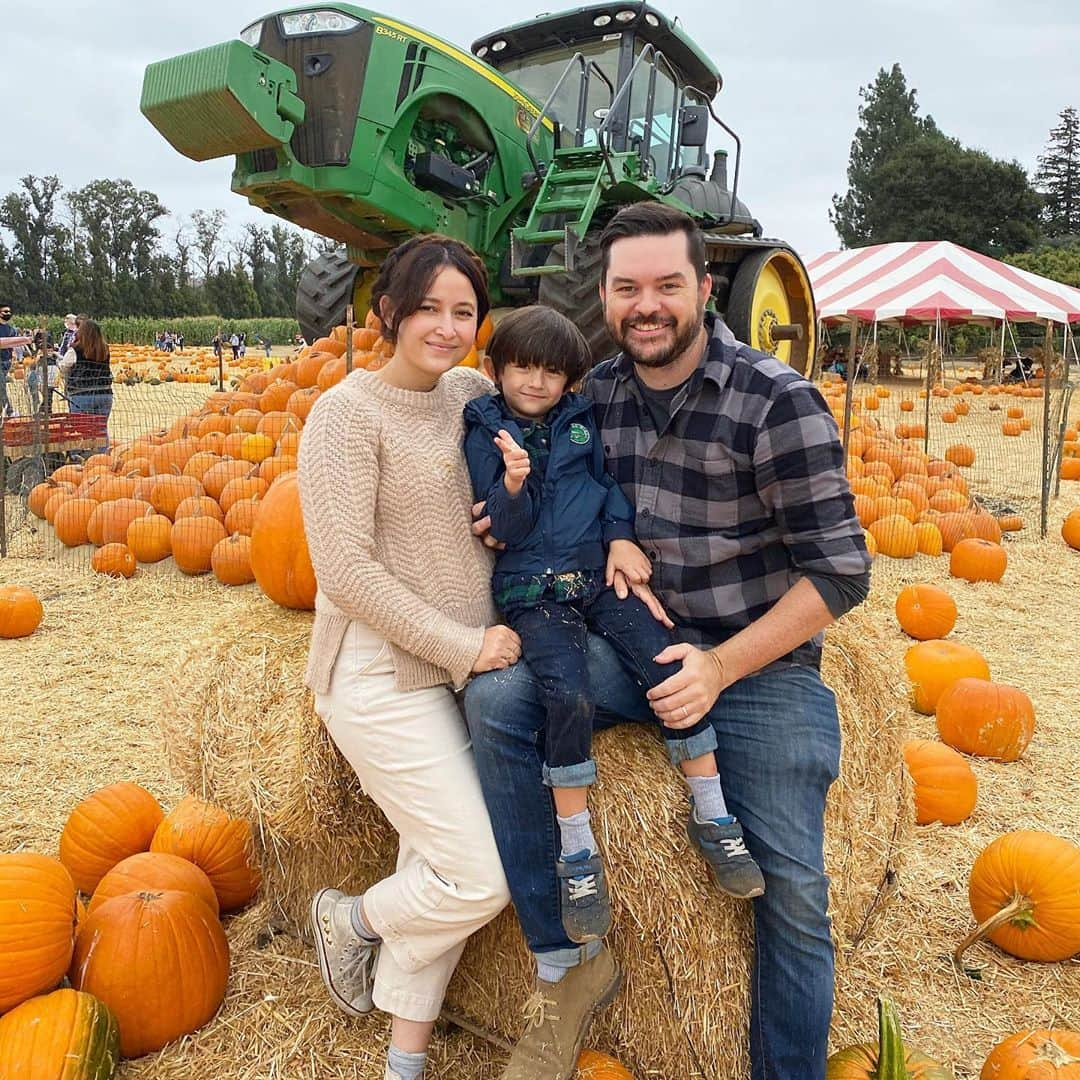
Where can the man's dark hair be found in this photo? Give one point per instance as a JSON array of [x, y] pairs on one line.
[[407, 274], [653, 219], [539, 336]]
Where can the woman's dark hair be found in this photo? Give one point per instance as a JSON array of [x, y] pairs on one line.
[[408, 271], [539, 336], [653, 219], [91, 341]]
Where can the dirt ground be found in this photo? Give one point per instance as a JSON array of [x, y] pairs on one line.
[[81, 696]]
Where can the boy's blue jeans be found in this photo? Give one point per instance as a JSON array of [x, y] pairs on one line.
[[553, 643], [778, 751]]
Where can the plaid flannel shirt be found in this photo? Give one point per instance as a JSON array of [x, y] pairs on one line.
[[742, 494]]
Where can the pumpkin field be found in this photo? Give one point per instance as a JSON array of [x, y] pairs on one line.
[[164, 667]]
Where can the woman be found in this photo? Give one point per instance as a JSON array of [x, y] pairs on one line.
[[87, 375], [403, 615]]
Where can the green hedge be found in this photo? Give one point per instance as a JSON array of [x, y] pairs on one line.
[[198, 330]]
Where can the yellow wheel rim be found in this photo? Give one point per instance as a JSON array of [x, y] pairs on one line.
[[781, 297]]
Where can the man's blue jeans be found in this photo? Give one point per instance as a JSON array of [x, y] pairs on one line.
[[778, 751]]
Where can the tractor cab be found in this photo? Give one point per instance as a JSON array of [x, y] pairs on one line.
[[616, 74]]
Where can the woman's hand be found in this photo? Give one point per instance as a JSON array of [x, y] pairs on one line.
[[501, 648]]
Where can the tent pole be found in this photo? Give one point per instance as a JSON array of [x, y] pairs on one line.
[[849, 390], [1048, 456], [935, 347]]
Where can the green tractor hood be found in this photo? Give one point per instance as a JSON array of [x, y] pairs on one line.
[[223, 100]]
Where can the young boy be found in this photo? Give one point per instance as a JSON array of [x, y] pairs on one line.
[[535, 456]]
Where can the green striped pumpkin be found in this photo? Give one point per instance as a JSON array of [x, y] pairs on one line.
[[65, 1035]]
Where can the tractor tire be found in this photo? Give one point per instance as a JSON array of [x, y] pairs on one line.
[[323, 294], [771, 288], [576, 293]]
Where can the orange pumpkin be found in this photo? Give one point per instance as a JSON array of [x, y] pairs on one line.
[[72, 521], [193, 541], [109, 523], [198, 506], [240, 518], [222, 846], [158, 960], [1070, 528], [248, 486], [231, 560], [978, 560], [149, 538], [114, 822], [925, 611], [1035, 1055], [154, 871], [20, 611], [986, 718], [171, 490], [928, 538], [946, 789], [65, 1035], [279, 553], [592, 1065], [114, 560], [37, 925], [932, 666], [1024, 891], [895, 536]]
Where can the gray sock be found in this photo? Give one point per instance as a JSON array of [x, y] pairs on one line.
[[576, 834], [407, 1066], [358, 924], [553, 973], [708, 797]]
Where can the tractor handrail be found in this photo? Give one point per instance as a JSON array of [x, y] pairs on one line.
[[583, 101], [648, 54], [738, 155]]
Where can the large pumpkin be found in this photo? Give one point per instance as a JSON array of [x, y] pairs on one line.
[[65, 1035], [159, 960], [925, 612], [37, 925], [986, 718], [113, 823], [279, 553], [1024, 891], [20, 611], [222, 846], [1035, 1055], [887, 1059], [934, 665], [945, 787], [154, 871], [978, 560], [1070, 528]]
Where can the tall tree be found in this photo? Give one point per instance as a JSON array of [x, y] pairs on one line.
[[30, 216], [933, 189], [208, 225], [1058, 177], [888, 119]]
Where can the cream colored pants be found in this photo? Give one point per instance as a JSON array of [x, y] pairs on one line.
[[412, 755]]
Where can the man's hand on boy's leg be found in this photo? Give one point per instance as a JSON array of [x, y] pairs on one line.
[[682, 699], [626, 557]]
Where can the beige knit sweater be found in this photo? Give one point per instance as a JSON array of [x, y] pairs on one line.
[[386, 499]]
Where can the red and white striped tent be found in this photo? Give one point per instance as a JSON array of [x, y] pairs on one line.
[[936, 282]]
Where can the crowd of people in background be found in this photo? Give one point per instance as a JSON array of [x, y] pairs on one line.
[[169, 341]]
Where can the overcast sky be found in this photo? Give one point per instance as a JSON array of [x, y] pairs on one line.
[[993, 73]]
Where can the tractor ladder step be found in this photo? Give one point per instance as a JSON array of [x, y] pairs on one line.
[[571, 189]]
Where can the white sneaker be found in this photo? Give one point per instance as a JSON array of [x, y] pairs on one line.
[[346, 960]]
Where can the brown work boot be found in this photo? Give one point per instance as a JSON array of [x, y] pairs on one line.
[[557, 1019]]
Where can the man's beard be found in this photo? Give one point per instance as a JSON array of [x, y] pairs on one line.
[[685, 336]]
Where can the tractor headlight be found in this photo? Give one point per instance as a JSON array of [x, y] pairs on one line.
[[625, 16], [250, 34], [498, 46], [601, 20], [317, 22]]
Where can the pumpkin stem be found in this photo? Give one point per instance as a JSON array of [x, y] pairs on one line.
[[891, 1056], [1020, 906]]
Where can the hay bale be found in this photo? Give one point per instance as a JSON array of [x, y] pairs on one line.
[[241, 730]]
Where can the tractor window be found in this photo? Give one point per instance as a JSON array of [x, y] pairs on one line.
[[538, 73], [664, 121]]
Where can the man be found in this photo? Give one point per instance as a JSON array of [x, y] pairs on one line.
[[11, 339], [734, 465]]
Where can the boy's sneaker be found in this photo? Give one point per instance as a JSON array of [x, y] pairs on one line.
[[725, 851], [583, 896], [346, 960]]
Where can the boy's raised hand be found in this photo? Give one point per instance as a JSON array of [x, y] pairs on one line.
[[516, 460]]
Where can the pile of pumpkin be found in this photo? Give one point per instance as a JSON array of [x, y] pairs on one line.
[[1024, 888], [146, 958]]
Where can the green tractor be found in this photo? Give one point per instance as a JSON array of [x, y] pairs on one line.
[[366, 130]]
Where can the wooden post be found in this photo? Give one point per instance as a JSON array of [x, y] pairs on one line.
[[849, 390], [348, 339]]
